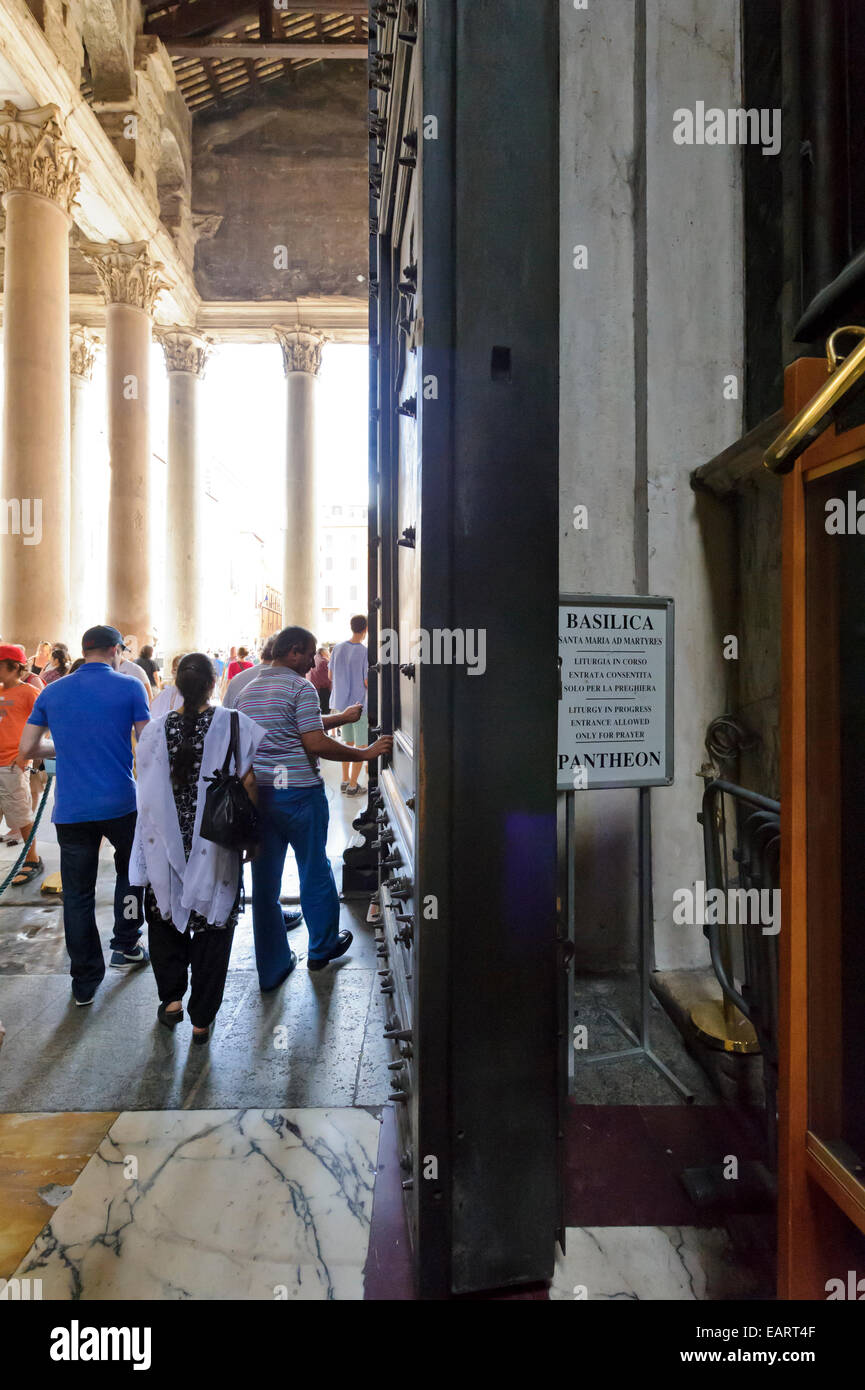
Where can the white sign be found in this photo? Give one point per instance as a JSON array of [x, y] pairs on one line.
[[616, 706]]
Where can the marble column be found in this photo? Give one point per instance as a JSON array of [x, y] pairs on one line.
[[301, 355], [39, 181], [185, 358], [131, 283], [82, 351]]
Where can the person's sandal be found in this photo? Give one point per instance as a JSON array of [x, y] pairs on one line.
[[27, 873], [171, 1019]]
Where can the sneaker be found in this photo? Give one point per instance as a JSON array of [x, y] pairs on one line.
[[84, 1000], [125, 960], [292, 917], [343, 786], [352, 790], [344, 940]]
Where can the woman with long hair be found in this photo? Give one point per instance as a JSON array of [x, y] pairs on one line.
[[40, 658], [240, 663], [192, 886], [58, 665]]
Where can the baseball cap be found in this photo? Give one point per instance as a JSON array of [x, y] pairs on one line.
[[97, 638], [10, 652]]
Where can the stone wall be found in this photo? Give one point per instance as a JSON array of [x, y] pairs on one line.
[[129, 81], [287, 175], [651, 329]]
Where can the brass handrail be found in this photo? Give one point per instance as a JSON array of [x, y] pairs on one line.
[[818, 414]]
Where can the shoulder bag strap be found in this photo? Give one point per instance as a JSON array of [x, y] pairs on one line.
[[234, 741], [232, 745]]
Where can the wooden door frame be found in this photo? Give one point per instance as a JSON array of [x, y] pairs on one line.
[[817, 1207]]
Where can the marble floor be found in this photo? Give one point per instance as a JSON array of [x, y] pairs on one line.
[[216, 1205], [133, 1166], [650, 1263], [41, 1156]]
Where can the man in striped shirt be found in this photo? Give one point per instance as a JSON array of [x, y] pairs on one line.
[[293, 806]]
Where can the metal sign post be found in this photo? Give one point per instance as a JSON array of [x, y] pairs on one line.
[[616, 730]]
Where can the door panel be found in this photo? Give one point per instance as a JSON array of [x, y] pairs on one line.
[[465, 361]]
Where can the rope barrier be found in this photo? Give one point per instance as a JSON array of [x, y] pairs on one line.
[[16, 868]]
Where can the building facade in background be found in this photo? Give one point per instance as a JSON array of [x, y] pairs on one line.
[[342, 568]]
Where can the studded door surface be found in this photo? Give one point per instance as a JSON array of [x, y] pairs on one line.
[[463, 498]]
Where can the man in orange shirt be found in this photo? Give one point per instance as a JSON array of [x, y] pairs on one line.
[[16, 702]]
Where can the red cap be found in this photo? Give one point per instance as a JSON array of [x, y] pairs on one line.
[[9, 652]]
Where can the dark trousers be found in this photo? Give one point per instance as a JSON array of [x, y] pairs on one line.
[[79, 865], [324, 701], [173, 953]]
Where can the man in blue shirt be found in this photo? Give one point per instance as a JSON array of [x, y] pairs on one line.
[[91, 715]]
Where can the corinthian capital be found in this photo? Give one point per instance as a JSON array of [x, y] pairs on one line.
[[126, 273], [186, 350], [82, 351], [34, 156], [301, 348]]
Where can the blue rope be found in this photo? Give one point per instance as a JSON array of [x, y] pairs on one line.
[[16, 868]]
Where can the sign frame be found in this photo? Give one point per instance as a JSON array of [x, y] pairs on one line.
[[653, 603]]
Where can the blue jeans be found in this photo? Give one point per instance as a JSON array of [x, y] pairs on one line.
[[295, 816], [79, 864]]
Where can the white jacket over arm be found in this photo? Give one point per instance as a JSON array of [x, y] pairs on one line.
[[207, 883]]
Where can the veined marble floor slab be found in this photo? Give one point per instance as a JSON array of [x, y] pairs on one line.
[[216, 1204], [40, 1158], [649, 1263]]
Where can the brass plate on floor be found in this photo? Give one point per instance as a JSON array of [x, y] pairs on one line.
[[51, 885], [712, 1027]]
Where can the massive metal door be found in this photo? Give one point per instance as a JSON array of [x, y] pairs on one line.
[[463, 582]]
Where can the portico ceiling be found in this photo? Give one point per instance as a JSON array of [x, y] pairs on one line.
[[225, 50]]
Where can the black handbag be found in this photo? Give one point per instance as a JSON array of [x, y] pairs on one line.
[[229, 817]]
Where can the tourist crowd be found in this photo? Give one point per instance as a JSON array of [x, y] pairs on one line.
[[137, 757]]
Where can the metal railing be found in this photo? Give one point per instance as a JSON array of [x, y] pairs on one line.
[[747, 856]]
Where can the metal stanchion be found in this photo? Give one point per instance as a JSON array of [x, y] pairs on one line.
[[641, 1044]]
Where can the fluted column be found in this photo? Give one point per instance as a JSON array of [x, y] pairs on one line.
[[39, 180], [301, 355], [82, 351], [131, 283], [185, 359]]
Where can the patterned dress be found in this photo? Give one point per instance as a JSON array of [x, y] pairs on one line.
[[186, 802]]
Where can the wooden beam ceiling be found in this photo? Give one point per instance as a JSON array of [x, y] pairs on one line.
[[186, 18], [214, 43], [283, 49]]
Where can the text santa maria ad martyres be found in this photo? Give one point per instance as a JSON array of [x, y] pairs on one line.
[[614, 716]]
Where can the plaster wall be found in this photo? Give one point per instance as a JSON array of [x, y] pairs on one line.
[[597, 424], [651, 331], [695, 292]]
